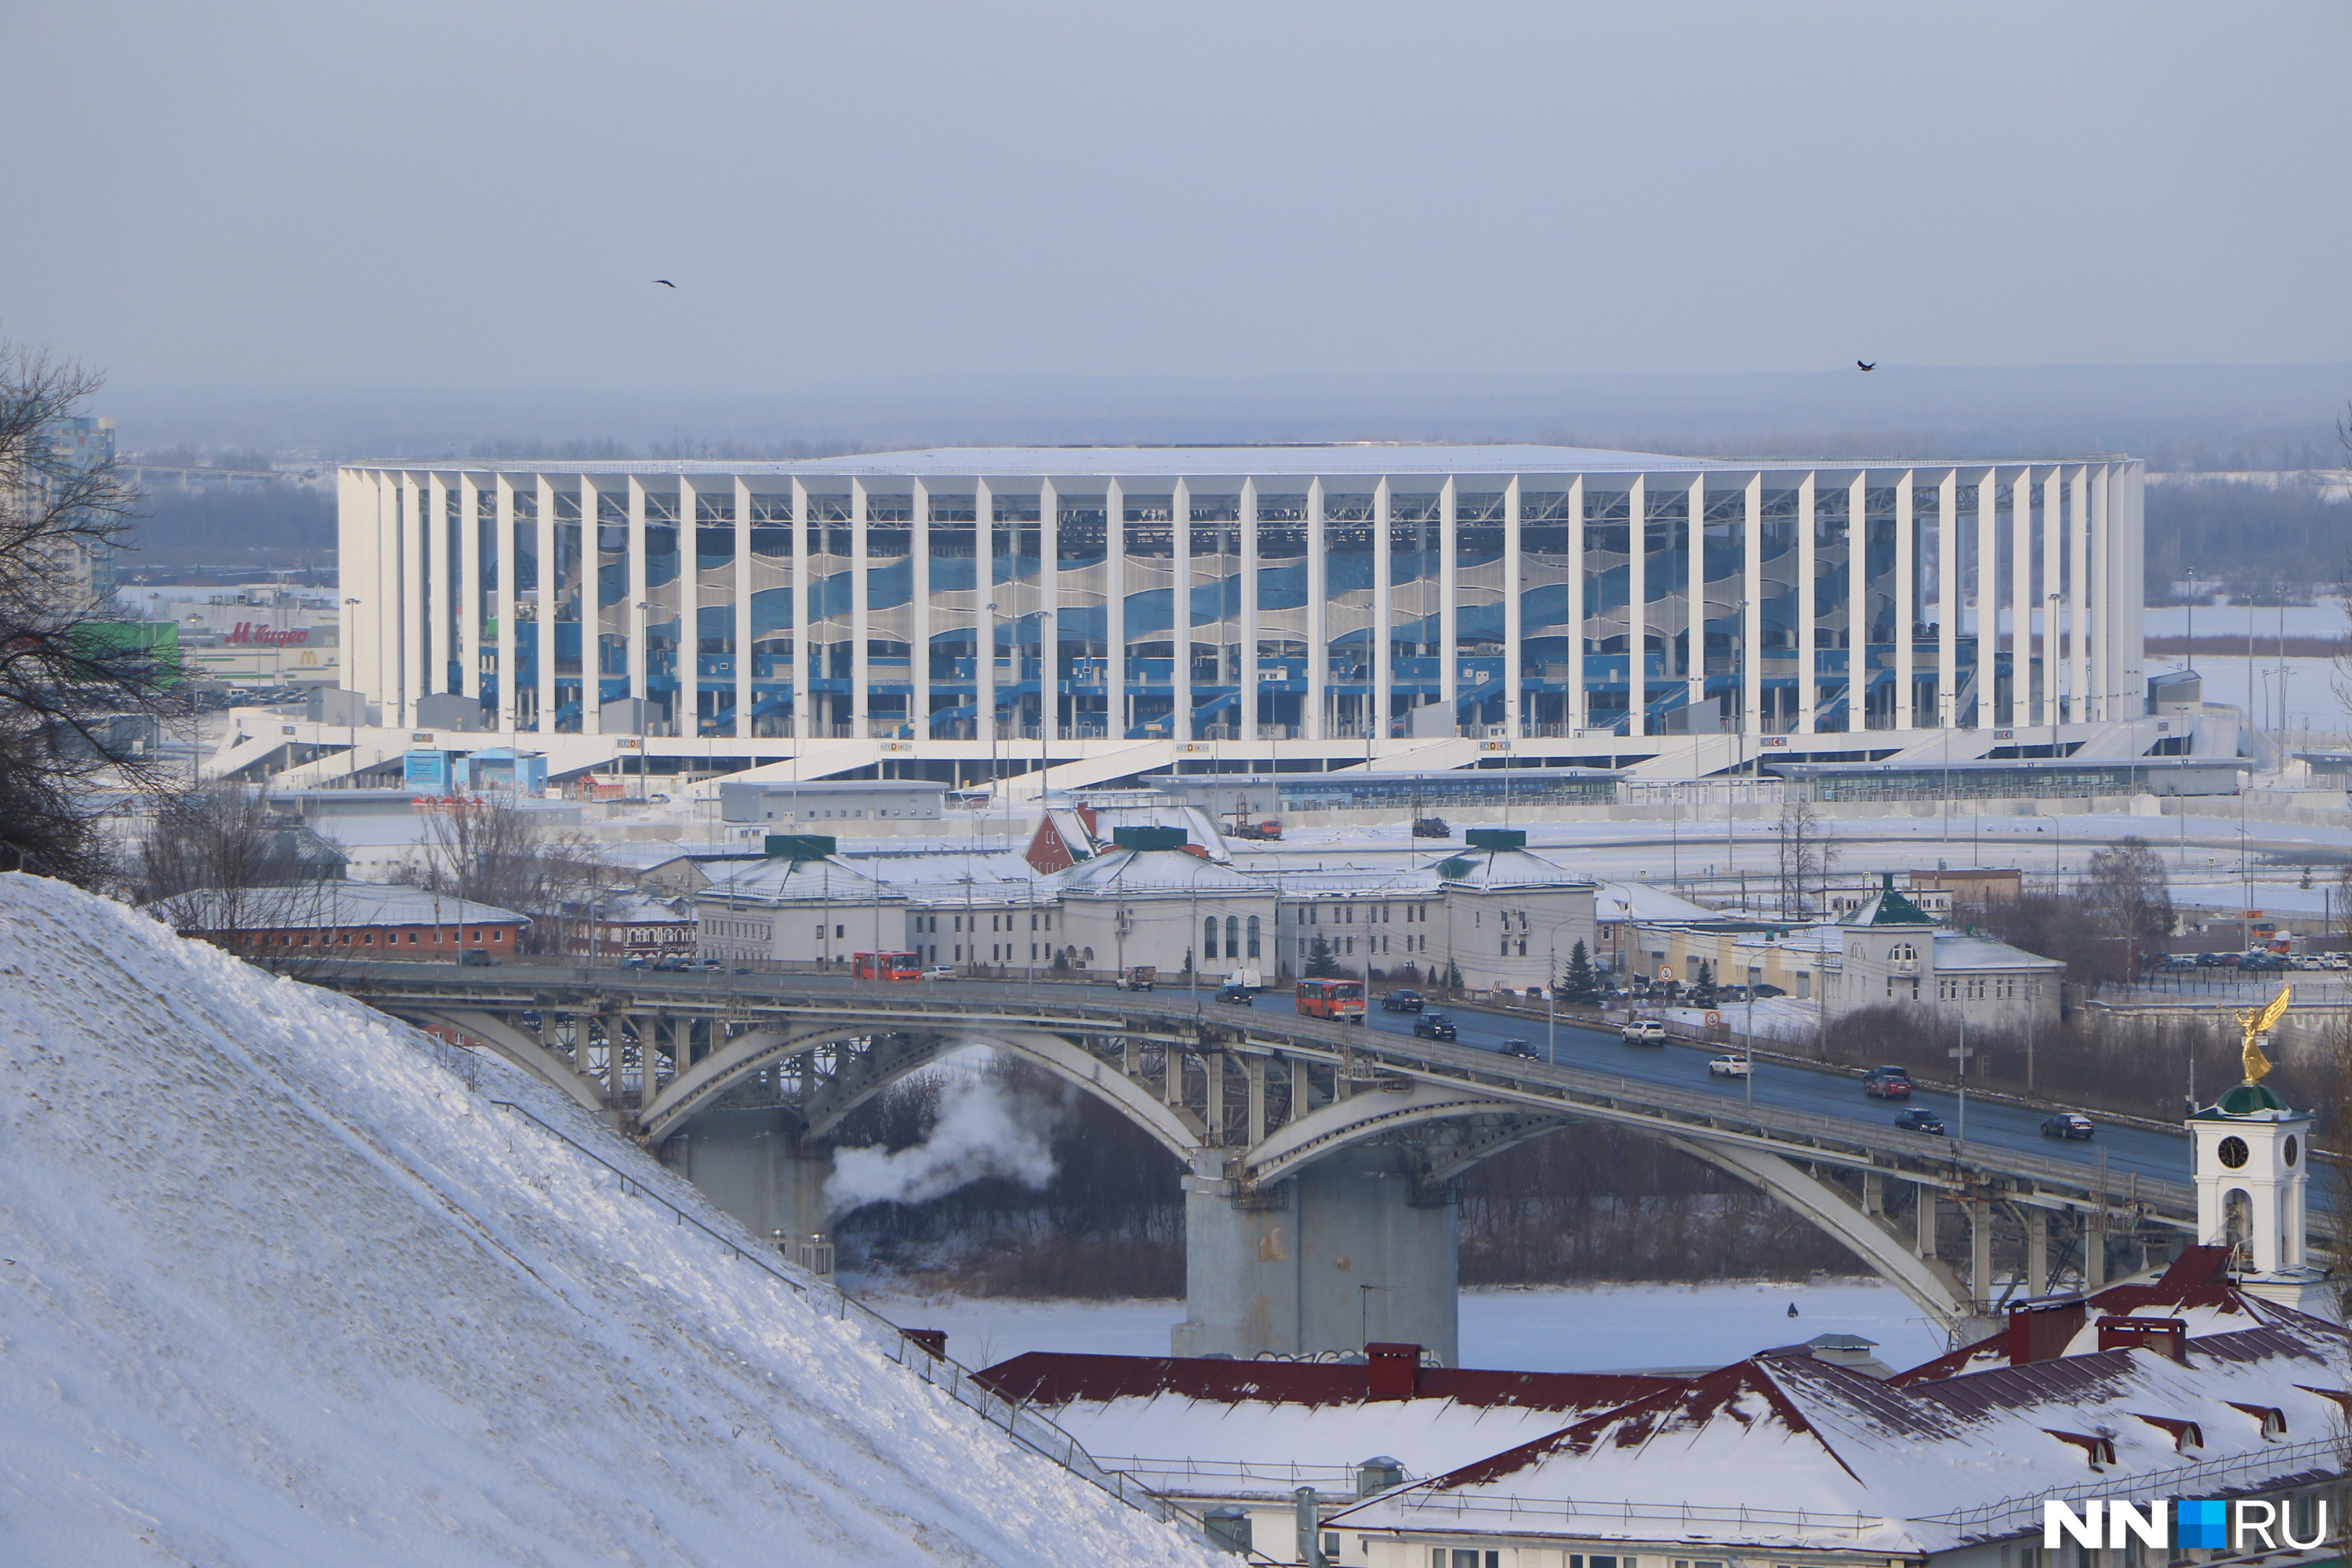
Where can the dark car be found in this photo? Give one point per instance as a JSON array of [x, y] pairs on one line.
[[1762, 991], [476, 958], [2067, 1124], [1918, 1119], [1521, 1049], [1402, 1002], [1887, 1083], [1434, 1026], [1232, 993], [1431, 827]]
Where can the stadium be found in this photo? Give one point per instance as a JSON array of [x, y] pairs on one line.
[[966, 613]]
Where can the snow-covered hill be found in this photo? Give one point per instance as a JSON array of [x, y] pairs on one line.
[[279, 1286]]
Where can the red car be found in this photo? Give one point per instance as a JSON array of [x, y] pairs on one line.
[[1887, 1083]]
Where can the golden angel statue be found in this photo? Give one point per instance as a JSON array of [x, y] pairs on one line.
[[2252, 1025]]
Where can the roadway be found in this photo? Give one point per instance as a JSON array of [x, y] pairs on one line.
[[1776, 1085], [1824, 1090]]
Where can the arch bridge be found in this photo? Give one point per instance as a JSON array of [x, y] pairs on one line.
[[1319, 1156]]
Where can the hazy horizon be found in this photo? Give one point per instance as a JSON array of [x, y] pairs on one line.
[[275, 196]]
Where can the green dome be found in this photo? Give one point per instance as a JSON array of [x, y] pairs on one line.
[[2248, 1099]]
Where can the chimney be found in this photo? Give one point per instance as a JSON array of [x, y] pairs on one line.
[[2166, 1336], [1394, 1370], [2041, 1331]]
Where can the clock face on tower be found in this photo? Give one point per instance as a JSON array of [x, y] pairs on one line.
[[2233, 1152], [2290, 1150]]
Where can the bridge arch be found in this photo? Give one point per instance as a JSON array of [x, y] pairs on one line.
[[1486, 1127]]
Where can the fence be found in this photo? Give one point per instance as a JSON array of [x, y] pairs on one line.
[[2209, 1478], [958, 1383]]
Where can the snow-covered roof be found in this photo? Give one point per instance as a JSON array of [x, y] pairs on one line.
[[1120, 873], [319, 904], [1785, 1450], [1957, 951], [1640, 901], [795, 881], [1491, 871]]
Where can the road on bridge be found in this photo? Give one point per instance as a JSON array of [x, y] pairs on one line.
[[2158, 1154], [1825, 1090]]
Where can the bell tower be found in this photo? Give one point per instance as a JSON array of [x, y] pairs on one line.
[[2252, 1157]]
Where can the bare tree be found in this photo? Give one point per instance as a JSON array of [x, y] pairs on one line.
[[217, 862], [66, 671], [2126, 884], [494, 852], [1808, 855]]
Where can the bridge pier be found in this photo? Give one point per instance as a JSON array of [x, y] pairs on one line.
[[750, 1164], [1344, 1252]]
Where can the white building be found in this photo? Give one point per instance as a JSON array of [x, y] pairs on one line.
[[803, 906], [1297, 603], [1150, 901]]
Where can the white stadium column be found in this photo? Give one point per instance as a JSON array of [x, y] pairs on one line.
[[1319, 655], [1512, 680], [686, 706], [467, 582], [2078, 588], [1857, 603], [1747, 625], [741, 661], [1579, 712], [1383, 613], [1906, 602], [636, 617], [859, 499], [1987, 593], [807, 657], [413, 608], [502, 522], [918, 593], [354, 507], [2102, 607], [1245, 703], [1948, 599], [1448, 589], [1117, 718], [591, 612], [548, 601], [1695, 612], [2053, 534], [1809, 698], [1180, 612], [1049, 615], [439, 600], [1637, 609], [2020, 598], [984, 577]]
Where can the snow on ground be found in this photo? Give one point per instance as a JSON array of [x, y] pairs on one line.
[[1582, 1328], [279, 1285]]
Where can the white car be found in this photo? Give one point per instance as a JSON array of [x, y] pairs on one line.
[[939, 972], [1643, 1032], [1728, 1066]]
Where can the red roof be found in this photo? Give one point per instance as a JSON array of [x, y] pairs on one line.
[[1052, 1377]]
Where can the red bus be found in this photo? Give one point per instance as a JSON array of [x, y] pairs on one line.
[[1340, 999], [888, 966]]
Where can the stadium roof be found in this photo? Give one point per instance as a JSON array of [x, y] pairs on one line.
[[1369, 459]]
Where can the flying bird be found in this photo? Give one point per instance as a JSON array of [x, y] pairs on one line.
[[1872, 365], [667, 284]]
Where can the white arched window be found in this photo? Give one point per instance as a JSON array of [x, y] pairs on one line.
[[1209, 937], [1253, 936]]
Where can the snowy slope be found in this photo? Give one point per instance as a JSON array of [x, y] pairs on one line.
[[281, 1287]]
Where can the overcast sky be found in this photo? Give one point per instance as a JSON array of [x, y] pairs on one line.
[[478, 195]]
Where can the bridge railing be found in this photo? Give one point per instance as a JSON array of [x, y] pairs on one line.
[[1018, 1421], [1842, 1139]]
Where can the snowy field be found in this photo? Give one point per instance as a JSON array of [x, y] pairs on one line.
[[1596, 1328], [281, 1285]]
